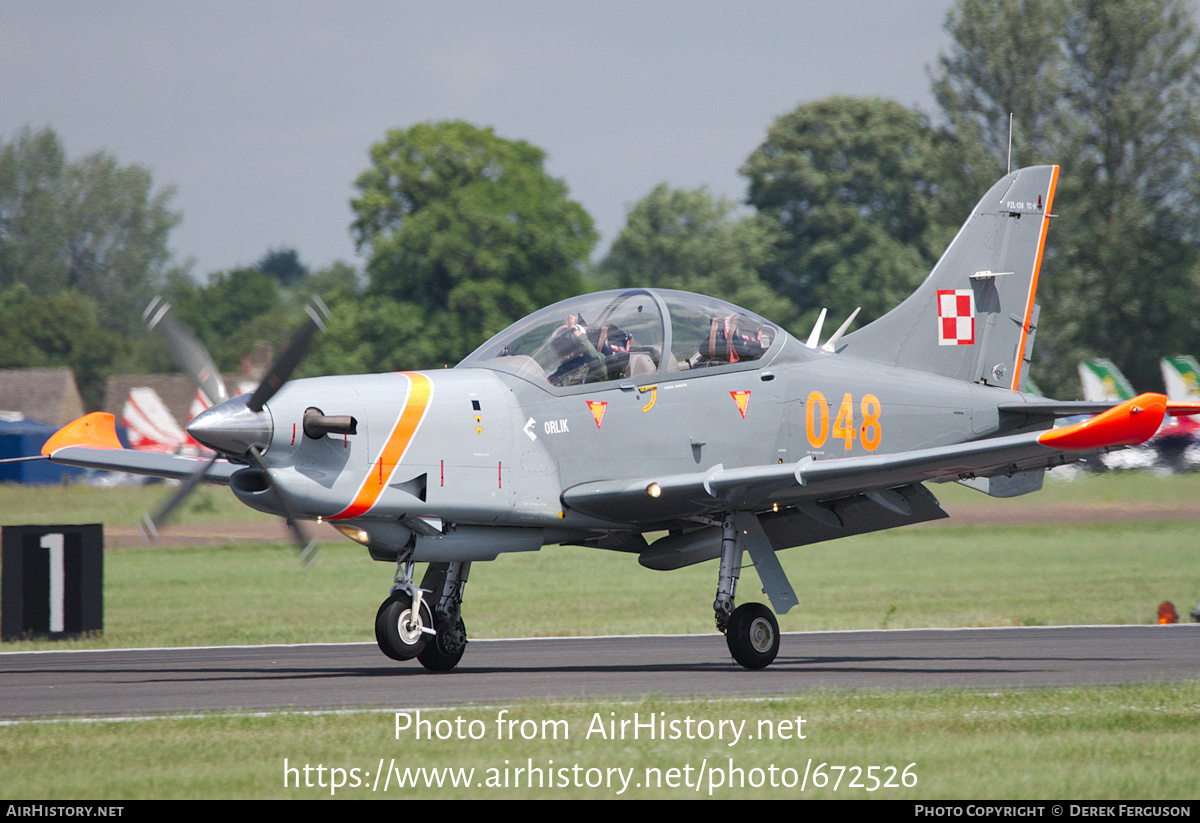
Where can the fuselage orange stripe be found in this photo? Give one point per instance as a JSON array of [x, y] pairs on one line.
[[1037, 268], [381, 470]]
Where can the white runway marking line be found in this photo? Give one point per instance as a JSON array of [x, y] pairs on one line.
[[342, 712]]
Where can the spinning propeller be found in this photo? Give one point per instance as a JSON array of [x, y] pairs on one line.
[[237, 428]]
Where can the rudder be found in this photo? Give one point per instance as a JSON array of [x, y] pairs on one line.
[[974, 316]]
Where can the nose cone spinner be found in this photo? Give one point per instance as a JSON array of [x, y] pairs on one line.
[[232, 427]]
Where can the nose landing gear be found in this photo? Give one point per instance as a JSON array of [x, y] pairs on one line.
[[405, 625]]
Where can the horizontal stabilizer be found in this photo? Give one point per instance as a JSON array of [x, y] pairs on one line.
[[1071, 408], [1182, 408], [1054, 409]]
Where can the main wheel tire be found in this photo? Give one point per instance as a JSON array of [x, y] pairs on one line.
[[443, 651], [395, 638], [752, 635]]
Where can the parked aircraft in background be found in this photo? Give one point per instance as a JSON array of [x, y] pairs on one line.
[[610, 418], [1178, 442], [1176, 445], [1102, 380], [1181, 376], [149, 425]]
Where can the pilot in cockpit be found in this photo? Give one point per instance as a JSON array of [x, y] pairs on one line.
[[579, 362]]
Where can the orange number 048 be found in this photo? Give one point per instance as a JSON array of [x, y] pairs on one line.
[[817, 421]]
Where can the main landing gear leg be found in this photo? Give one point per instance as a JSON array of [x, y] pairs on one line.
[[445, 582], [731, 569], [751, 631], [403, 624]]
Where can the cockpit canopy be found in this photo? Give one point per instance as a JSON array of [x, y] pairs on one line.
[[627, 334]]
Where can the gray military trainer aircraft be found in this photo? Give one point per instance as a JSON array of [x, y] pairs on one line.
[[612, 416]]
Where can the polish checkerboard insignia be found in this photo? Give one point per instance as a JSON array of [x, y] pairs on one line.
[[956, 317]]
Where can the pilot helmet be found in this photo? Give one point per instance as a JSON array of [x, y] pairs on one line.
[[563, 341]]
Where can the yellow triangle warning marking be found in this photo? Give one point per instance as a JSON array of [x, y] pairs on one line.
[[597, 407], [741, 398]]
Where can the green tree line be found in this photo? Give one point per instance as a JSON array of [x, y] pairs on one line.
[[849, 203]]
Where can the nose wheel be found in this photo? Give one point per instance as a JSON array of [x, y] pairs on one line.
[[399, 634]]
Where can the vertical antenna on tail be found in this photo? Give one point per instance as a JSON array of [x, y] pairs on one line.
[[1009, 143]]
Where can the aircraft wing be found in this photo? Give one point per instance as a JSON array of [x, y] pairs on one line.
[[91, 442], [650, 500]]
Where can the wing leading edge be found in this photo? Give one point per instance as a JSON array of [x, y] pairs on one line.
[[91, 443]]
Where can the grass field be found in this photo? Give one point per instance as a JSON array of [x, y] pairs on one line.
[[1134, 742], [935, 576]]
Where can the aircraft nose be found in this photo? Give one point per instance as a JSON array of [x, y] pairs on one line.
[[232, 427]]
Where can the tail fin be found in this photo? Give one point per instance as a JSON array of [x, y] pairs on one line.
[[1103, 381], [974, 317]]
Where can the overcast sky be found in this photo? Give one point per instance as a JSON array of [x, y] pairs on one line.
[[261, 114]]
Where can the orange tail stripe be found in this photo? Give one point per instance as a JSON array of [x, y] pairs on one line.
[[1037, 267], [393, 451]]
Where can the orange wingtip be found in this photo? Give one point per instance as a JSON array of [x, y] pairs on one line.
[[1128, 424], [97, 430], [1179, 408]]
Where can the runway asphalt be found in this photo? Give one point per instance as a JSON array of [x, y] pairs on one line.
[[303, 677]]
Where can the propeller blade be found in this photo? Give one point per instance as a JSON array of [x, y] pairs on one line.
[[188, 350], [199, 365], [307, 546], [150, 524], [286, 363]]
